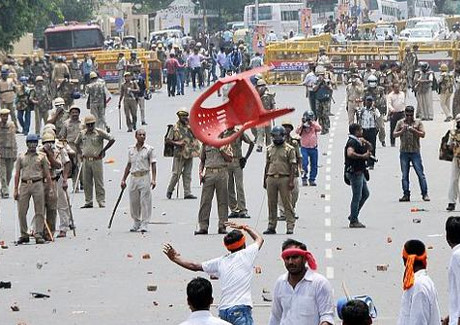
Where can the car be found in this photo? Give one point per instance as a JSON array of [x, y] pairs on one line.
[[405, 34], [380, 32], [422, 35], [434, 26]]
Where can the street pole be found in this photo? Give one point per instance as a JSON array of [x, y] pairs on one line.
[[256, 11]]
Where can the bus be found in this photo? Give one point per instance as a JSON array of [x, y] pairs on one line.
[[73, 37], [279, 17], [393, 10]]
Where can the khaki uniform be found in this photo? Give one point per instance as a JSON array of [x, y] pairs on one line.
[[409, 65], [280, 161], [59, 123], [70, 131], [91, 144], [424, 94], [215, 179], [268, 101], [7, 97], [454, 141], [8, 154], [65, 90], [59, 70], [446, 89], [140, 194], [183, 156], [43, 97], [354, 92], [62, 203], [96, 102], [129, 90], [32, 168], [236, 200], [295, 192]]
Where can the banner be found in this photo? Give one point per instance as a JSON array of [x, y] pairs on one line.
[[285, 66], [305, 21], [258, 38]]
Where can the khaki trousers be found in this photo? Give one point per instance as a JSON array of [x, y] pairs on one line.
[[62, 207], [352, 106], [130, 106], [99, 113], [215, 181], [295, 198], [6, 172], [279, 186], [12, 109], [454, 176], [141, 101], [140, 200], [181, 167], [236, 200], [93, 173], [51, 205], [381, 127], [444, 99], [39, 117], [425, 104], [36, 191]]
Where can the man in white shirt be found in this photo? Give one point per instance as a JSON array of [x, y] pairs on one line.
[[301, 296], [234, 270], [419, 303], [453, 239], [396, 104], [199, 299]]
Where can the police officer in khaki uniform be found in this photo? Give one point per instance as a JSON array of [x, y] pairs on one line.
[[90, 146], [186, 147], [142, 167], [237, 200], [8, 151], [280, 168], [8, 94], [355, 93], [96, 101], [128, 92], [59, 114], [268, 101], [32, 168], [41, 99], [214, 177]]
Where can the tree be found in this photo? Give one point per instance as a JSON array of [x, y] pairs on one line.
[[80, 10]]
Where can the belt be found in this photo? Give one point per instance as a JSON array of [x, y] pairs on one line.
[[56, 178], [215, 170], [31, 181], [92, 158], [278, 176], [140, 173]]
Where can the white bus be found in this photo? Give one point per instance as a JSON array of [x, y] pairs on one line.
[[279, 17], [392, 10]]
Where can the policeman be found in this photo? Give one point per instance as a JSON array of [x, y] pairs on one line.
[[367, 73], [322, 56], [96, 102], [214, 177], [23, 93], [32, 168], [41, 99], [75, 69], [8, 151], [59, 114], [134, 64], [186, 147], [142, 167], [121, 68], [8, 94], [352, 71], [280, 169], [378, 95], [409, 65], [90, 146], [237, 200], [65, 90], [392, 77], [323, 94], [268, 101], [355, 93], [446, 89], [423, 81], [59, 71], [128, 92]]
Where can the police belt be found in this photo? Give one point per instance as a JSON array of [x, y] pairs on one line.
[[215, 169], [31, 181], [92, 158], [140, 173], [278, 176]]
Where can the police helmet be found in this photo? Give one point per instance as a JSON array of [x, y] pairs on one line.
[[48, 137], [372, 81], [32, 138], [278, 130]]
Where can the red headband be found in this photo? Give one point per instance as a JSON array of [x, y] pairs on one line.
[[300, 252], [236, 245]]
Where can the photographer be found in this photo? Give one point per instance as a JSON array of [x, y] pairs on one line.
[[308, 131], [357, 152], [411, 130]]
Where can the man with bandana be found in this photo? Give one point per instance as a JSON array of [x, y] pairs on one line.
[[32, 169], [419, 303], [234, 270], [280, 170], [311, 301]]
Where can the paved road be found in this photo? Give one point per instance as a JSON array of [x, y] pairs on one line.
[[100, 277]]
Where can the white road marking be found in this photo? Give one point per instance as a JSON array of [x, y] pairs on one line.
[[328, 169], [327, 197], [328, 178], [328, 236], [331, 140], [328, 161], [330, 272], [327, 209], [329, 146], [327, 222], [328, 253], [332, 134], [329, 153], [327, 187]]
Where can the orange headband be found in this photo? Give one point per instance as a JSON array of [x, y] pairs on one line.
[[238, 244], [408, 281]]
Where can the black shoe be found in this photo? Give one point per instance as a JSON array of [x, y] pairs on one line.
[[87, 206], [289, 232], [371, 167], [190, 197], [169, 195], [405, 198], [312, 183], [222, 231], [233, 215], [356, 224], [201, 232], [426, 198], [450, 207], [270, 232], [23, 240], [130, 130], [384, 144], [304, 182], [5, 196], [244, 216], [143, 123], [39, 240]]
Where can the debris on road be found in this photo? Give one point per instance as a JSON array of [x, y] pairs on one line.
[[39, 265], [417, 210], [389, 240], [155, 303], [416, 220], [5, 285], [129, 255], [323, 196], [14, 307], [338, 248], [258, 269], [382, 267], [39, 295], [2, 245], [146, 256], [429, 247], [152, 287], [78, 312]]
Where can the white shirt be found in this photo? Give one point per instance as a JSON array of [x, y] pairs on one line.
[[396, 102], [419, 304], [454, 286], [309, 303], [203, 317], [235, 274], [367, 117]]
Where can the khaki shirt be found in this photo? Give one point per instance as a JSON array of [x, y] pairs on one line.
[[237, 146], [129, 90], [32, 165], [70, 130], [7, 93], [454, 141], [280, 159], [60, 120], [296, 145], [409, 141], [92, 143], [213, 158], [354, 92], [59, 70], [184, 133], [141, 160], [8, 145], [60, 155]]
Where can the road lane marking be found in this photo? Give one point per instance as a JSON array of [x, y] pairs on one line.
[[327, 222], [328, 253], [330, 272], [328, 237], [327, 209]]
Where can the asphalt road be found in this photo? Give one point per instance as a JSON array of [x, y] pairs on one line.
[[100, 276]]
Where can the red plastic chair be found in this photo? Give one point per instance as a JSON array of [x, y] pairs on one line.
[[243, 109]]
